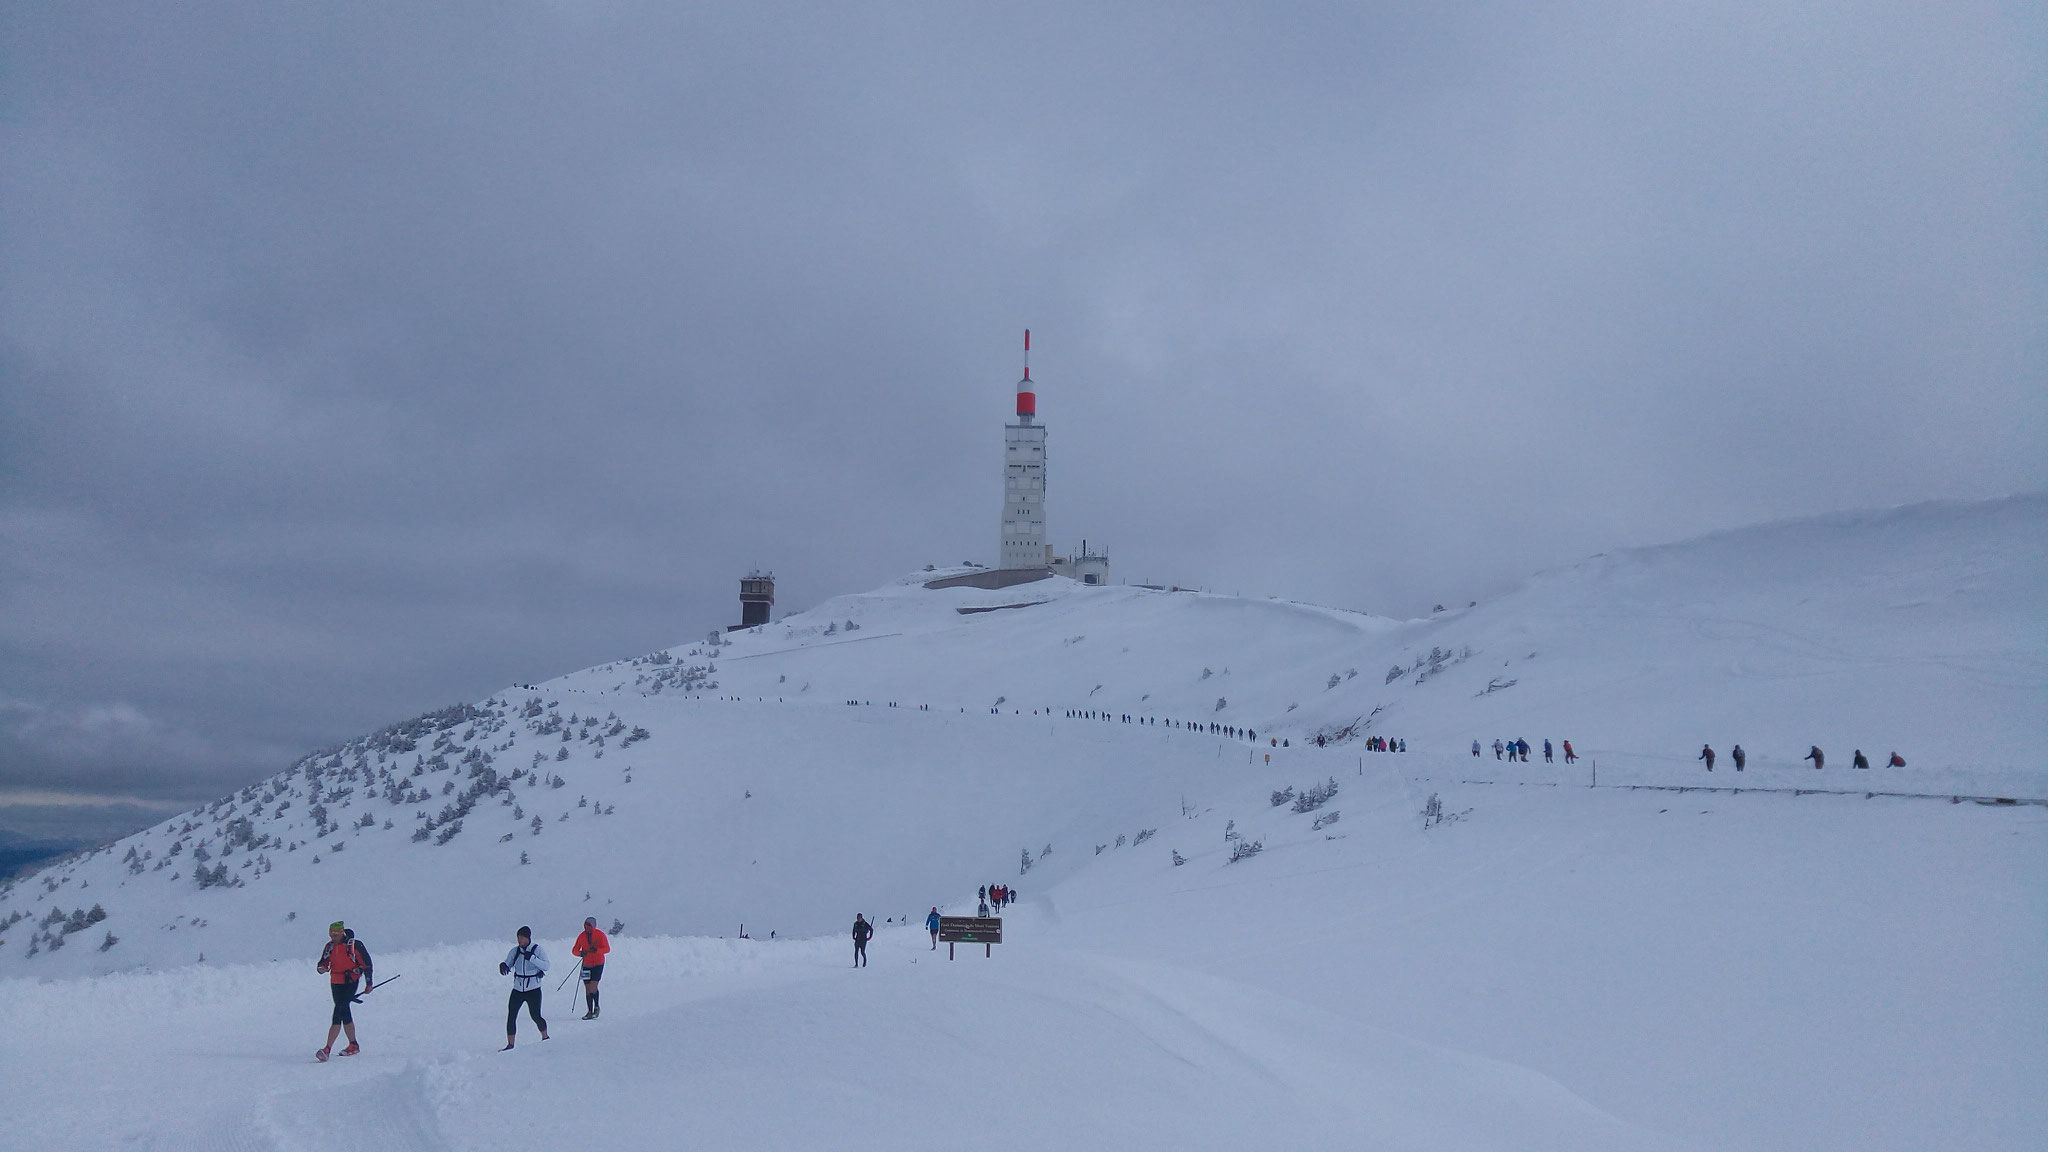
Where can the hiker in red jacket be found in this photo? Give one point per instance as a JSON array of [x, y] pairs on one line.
[[343, 961], [591, 947]]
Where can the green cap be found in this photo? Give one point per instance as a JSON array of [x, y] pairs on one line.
[[335, 927]]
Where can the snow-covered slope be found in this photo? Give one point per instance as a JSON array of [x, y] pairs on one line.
[[891, 750]]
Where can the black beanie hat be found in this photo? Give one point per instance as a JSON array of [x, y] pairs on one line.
[[525, 931]]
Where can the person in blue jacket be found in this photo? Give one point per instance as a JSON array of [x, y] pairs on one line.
[[931, 925]]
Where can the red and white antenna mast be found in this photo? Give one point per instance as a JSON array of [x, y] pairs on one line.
[[1027, 396]]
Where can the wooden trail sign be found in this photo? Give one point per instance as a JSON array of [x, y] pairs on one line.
[[982, 930]]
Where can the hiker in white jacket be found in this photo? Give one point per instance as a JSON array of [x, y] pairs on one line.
[[527, 965]]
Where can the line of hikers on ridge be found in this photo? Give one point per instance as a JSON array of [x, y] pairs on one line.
[[1212, 729], [1518, 749], [1813, 753]]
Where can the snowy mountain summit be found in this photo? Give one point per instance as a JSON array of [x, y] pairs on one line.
[[1192, 780]]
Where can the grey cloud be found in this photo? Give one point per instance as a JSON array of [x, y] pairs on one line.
[[353, 361]]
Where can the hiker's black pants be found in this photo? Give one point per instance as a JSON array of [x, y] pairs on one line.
[[530, 998], [343, 995]]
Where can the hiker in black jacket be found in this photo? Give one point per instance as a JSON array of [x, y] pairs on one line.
[[862, 932]]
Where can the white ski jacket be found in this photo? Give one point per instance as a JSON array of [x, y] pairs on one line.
[[528, 966]]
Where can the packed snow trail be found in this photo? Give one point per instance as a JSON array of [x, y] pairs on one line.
[[736, 1045]]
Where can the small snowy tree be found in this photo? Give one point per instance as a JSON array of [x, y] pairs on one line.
[[1025, 866]]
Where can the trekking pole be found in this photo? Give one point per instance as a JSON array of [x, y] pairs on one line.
[[358, 997], [565, 979]]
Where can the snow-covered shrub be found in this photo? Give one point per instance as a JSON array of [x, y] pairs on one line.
[[1221, 704], [1283, 796], [449, 832], [1143, 835], [1245, 848], [1434, 812], [1025, 866], [1315, 796], [1178, 859], [1325, 820], [109, 942]]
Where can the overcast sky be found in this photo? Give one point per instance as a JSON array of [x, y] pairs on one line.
[[359, 359]]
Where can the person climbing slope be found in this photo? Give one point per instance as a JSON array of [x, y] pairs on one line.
[[1707, 754], [343, 961], [527, 965], [862, 933], [591, 947]]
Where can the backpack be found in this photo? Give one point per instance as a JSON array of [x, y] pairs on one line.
[[354, 949]]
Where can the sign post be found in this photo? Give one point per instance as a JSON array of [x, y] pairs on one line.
[[983, 930]]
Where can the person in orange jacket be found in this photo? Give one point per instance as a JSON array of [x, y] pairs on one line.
[[591, 947], [344, 962]]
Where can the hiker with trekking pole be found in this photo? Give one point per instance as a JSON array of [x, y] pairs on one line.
[[345, 962], [591, 948]]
